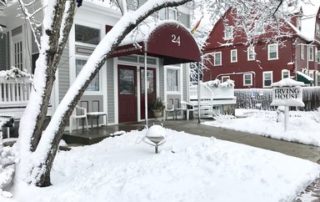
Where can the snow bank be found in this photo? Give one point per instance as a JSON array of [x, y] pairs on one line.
[[301, 125], [188, 168]]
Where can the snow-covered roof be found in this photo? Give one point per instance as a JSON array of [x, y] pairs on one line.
[[304, 75], [144, 30], [287, 82], [309, 19]]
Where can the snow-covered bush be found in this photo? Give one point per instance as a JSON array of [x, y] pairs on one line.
[[7, 169], [316, 115]]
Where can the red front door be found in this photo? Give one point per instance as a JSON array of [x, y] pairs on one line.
[[151, 75], [127, 93]]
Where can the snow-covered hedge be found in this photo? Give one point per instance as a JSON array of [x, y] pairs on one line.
[[7, 169], [249, 98], [14, 73]]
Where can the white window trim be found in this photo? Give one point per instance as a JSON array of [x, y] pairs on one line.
[[179, 82], [248, 53], [244, 81], [225, 37], [263, 78], [225, 77], [311, 56], [214, 59], [282, 73], [277, 51], [302, 52], [318, 57], [236, 52]]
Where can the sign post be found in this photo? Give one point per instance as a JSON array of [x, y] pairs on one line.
[[287, 92]]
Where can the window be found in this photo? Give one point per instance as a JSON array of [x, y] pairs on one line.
[[173, 15], [273, 52], [318, 30], [18, 55], [302, 52], [310, 53], [251, 53], [228, 32], [259, 29], [162, 14], [247, 79], [217, 59], [267, 79], [225, 78], [173, 80], [318, 56], [168, 14], [94, 85], [87, 34], [234, 55], [285, 74]]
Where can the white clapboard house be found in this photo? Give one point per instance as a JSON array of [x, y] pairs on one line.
[[118, 89]]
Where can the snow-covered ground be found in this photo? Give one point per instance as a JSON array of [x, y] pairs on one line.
[[188, 168], [303, 127]]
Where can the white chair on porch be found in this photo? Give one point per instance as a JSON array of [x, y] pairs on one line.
[[185, 107], [79, 113], [169, 109]]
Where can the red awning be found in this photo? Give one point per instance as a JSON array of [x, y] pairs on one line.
[[170, 41]]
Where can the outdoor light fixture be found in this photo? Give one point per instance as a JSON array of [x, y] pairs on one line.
[[155, 136]]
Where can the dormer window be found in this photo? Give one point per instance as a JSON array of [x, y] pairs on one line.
[[228, 32]]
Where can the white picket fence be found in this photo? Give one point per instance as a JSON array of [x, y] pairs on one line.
[[14, 92]]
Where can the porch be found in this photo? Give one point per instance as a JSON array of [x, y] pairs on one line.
[[95, 135], [14, 96]]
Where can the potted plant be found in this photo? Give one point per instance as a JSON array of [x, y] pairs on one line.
[[157, 108]]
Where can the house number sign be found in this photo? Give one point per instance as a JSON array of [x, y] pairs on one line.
[[175, 39]]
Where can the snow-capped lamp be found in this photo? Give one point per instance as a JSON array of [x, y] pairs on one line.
[[155, 136]]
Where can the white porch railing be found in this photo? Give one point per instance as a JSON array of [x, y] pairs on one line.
[[14, 92]]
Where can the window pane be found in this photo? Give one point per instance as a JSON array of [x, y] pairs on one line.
[[217, 59], [172, 14], [273, 49], [267, 79], [228, 32], [150, 76], [94, 85], [126, 82], [87, 34], [247, 79], [172, 80]]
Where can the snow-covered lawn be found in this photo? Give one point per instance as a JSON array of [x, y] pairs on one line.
[[303, 127], [188, 168]]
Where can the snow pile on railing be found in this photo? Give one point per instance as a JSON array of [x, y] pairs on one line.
[[217, 83], [14, 73]]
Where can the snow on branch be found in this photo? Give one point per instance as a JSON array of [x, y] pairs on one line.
[[30, 17]]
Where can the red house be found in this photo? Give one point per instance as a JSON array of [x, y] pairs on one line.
[[295, 54]]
